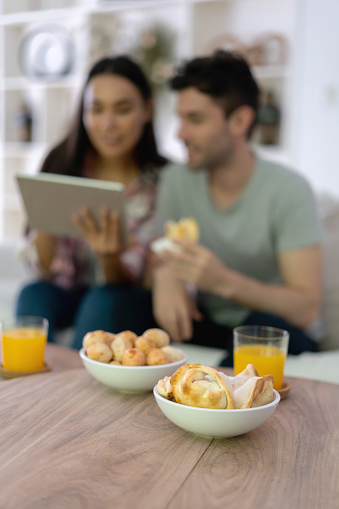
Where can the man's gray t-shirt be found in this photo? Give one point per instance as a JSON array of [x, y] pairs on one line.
[[276, 212]]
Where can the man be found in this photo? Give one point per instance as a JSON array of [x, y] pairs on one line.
[[259, 259]]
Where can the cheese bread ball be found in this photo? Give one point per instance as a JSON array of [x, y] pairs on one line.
[[159, 336], [144, 344], [116, 363], [96, 336], [173, 353], [110, 337], [119, 345], [129, 335], [156, 356], [100, 352], [134, 357]]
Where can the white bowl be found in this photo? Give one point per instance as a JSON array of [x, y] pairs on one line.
[[130, 378], [212, 423]]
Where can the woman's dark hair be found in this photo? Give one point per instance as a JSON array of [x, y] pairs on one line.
[[225, 76], [68, 156]]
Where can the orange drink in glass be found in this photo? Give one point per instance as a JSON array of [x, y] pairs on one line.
[[23, 343], [264, 347]]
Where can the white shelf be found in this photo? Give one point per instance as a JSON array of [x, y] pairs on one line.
[[85, 8], [263, 72], [23, 83]]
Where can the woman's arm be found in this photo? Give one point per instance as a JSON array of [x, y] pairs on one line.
[[115, 271], [45, 245]]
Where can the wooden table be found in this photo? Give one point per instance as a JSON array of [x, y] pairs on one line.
[[67, 441]]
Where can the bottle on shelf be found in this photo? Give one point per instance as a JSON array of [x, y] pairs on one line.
[[24, 123]]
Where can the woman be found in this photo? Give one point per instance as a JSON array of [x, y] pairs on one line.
[[111, 138]]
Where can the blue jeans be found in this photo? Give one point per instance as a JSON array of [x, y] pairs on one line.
[[208, 333], [110, 308]]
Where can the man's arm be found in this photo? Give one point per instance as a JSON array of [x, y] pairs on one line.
[[297, 299], [173, 307]]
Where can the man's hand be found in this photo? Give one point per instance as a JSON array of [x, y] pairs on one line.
[[174, 308], [197, 265], [104, 238]]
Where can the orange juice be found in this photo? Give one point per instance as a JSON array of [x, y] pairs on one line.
[[23, 348], [268, 360]]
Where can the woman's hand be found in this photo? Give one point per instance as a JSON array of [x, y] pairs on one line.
[[104, 238]]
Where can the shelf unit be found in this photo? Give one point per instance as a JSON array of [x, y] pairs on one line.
[[99, 27]]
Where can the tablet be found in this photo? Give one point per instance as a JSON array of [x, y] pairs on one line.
[[51, 200]]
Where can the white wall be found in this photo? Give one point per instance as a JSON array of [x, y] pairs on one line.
[[316, 94]]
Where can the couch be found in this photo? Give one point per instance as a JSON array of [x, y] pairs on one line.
[[323, 365]]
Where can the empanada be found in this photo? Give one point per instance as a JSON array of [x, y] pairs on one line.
[[201, 386]]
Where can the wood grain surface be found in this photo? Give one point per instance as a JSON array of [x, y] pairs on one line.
[[67, 441]]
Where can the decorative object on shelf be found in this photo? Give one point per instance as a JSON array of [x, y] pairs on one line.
[[269, 119], [266, 49], [155, 53], [227, 42], [47, 52], [104, 30], [23, 123]]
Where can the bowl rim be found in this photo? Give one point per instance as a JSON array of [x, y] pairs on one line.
[[141, 368], [219, 410]]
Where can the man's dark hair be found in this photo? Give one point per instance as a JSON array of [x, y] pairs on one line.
[[225, 76]]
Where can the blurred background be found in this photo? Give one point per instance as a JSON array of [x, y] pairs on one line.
[[47, 47]]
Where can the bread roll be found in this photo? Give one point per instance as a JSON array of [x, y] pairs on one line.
[[133, 357], [127, 334], [201, 386], [159, 336], [144, 344], [97, 336], [156, 357], [100, 352], [174, 354], [119, 345]]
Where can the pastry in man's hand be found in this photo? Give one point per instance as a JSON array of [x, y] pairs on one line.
[[133, 357], [156, 357], [186, 228], [201, 386], [100, 352], [159, 336]]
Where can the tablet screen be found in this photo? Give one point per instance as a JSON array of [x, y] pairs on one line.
[[50, 201]]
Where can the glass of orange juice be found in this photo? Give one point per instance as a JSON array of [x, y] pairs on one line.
[[264, 347], [23, 343]]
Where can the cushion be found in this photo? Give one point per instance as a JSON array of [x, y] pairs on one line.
[[329, 213]]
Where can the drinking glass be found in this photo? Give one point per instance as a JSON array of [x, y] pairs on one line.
[[264, 347], [23, 343]]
